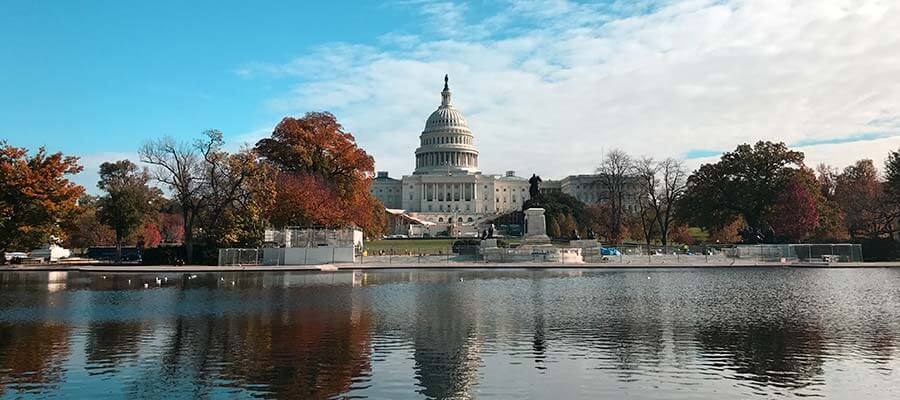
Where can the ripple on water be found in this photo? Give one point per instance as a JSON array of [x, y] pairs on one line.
[[732, 333]]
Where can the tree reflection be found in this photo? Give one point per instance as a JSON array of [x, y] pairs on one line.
[[788, 355], [307, 344], [110, 342], [32, 353]]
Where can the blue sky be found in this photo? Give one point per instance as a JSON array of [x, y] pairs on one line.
[[546, 85], [104, 75]]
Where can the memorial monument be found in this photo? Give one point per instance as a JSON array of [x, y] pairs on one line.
[[535, 227]]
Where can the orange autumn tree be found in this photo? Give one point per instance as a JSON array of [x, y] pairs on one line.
[[37, 200], [323, 176]]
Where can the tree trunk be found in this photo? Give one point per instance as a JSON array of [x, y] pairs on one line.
[[187, 216], [663, 231]]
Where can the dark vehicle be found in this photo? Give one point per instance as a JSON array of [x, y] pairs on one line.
[[466, 246], [108, 253]]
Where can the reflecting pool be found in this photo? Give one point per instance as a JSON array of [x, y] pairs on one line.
[[504, 334]]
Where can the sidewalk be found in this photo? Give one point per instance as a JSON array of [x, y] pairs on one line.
[[450, 265]]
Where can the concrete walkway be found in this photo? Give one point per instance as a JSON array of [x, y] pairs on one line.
[[451, 265]]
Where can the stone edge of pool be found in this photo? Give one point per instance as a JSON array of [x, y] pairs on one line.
[[375, 266]]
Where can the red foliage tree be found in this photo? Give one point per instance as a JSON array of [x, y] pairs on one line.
[[37, 200], [171, 228], [324, 178], [795, 215], [149, 235]]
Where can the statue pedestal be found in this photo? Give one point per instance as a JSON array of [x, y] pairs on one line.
[[535, 227], [489, 243], [584, 243], [590, 248]]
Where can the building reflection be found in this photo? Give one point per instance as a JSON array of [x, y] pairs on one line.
[[446, 340]]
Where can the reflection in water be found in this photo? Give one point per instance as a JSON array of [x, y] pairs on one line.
[[31, 356], [452, 334], [446, 341]]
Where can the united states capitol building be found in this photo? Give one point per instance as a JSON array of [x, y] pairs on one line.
[[447, 192]]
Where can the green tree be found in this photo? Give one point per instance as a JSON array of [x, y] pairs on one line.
[[37, 200], [87, 230], [238, 190], [744, 183], [128, 199], [558, 204], [222, 197]]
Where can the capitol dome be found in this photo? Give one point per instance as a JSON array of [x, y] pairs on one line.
[[446, 117], [446, 144]]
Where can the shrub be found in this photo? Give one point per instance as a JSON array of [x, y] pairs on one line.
[[880, 249]]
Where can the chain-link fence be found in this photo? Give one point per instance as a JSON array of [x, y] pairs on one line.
[[808, 253], [313, 237], [626, 254], [240, 257]]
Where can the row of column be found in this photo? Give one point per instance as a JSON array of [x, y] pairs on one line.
[[446, 140], [448, 191], [452, 158]]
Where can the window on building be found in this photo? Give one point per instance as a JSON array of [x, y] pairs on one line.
[[440, 219], [470, 219]]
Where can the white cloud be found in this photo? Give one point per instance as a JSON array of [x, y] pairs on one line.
[[548, 85], [89, 176]]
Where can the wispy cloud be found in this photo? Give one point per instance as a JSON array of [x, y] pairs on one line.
[[548, 85], [860, 137]]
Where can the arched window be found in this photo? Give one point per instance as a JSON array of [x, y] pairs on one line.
[[469, 220], [441, 219]]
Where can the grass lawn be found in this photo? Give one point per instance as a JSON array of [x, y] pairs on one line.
[[413, 245], [401, 246]]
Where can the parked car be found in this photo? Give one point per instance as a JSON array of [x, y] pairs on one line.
[[466, 246], [15, 255], [610, 251]]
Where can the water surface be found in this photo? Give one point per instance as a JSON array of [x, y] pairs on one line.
[[456, 334]]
